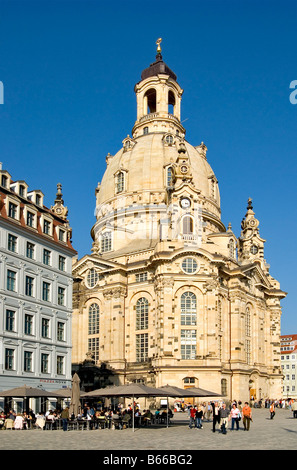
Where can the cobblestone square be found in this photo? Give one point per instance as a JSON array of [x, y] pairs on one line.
[[264, 434]]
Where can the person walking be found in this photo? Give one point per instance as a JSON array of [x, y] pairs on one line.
[[235, 415], [246, 416], [215, 415], [199, 417], [65, 417], [192, 416], [272, 410], [294, 408], [224, 418]]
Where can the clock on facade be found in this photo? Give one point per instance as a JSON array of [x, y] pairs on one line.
[[184, 168], [185, 202]]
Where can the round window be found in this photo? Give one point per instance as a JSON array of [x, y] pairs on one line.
[[189, 265], [92, 277]]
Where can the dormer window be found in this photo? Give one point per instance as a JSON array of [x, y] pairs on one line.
[[4, 181]]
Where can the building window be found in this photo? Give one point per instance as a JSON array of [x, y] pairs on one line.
[[12, 243], [30, 219], [10, 320], [11, 280], [93, 319], [120, 182], [169, 139], [62, 262], [61, 235], [61, 296], [189, 381], [60, 365], [30, 250], [46, 257], [92, 277], [12, 210], [93, 348], [4, 181], [45, 328], [44, 361], [187, 225], [22, 190], [247, 351], [145, 130], [46, 227], [9, 359], [141, 277], [28, 361], [169, 176], [46, 291], [224, 387], [141, 347], [106, 242], [188, 344], [61, 331], [189, 265], [231, 248], [188, 309], [248, 322], [28, 326], [142, 306], [29, 288]]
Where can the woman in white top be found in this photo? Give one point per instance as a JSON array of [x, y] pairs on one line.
[[235, 417]]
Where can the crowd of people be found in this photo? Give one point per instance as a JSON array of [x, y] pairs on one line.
[[120, 417], [116, 417], [222, 415]]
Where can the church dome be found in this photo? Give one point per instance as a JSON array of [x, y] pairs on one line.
[[157, 168], [145, 162]]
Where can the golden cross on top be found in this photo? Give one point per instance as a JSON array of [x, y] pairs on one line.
[[158, 42]]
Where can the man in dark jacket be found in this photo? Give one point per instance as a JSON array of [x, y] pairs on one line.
[[65, 417]]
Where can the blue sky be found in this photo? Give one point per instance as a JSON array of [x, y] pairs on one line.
[[69, 68]]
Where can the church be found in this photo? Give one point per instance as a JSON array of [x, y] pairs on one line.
[[169, 295]]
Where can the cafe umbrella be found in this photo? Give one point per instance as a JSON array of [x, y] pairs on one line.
[[27, 392], [130, 390], [75, 405]]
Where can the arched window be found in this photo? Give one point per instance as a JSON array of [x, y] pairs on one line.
[[106, 242], [142, 314], [188, 304], [187, 225], [150, 101], [248, 322], [224, 387], [169, 179], [145, 130], [92, 277], [93, 319], [120, 182], [171, 102]]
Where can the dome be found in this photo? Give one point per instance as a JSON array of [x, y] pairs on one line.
[[145, 166]]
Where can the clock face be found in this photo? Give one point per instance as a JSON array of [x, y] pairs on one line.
[[184, 169], [185, 203]]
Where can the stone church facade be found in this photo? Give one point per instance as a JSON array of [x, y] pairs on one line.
[[170, 295]]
